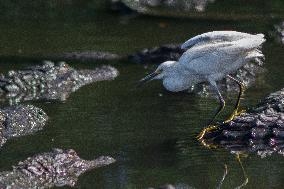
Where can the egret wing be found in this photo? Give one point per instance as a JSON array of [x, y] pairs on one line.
[[222, 50], [213, 50], [203, 59], [209, 59], [215, 37]]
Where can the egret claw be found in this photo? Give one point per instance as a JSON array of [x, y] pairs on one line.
[[205, 130], [234, 114], [210, 146]]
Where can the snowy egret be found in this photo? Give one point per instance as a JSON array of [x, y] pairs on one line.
[[210, 57]]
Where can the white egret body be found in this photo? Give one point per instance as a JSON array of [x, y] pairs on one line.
[[210, 57]]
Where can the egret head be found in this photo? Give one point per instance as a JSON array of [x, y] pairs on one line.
[[162, 71]]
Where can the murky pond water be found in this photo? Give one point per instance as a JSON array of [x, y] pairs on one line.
[[151, 132]]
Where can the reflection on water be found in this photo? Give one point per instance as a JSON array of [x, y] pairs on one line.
[[150, 132]]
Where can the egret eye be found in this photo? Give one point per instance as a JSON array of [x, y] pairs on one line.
[[159, 71]]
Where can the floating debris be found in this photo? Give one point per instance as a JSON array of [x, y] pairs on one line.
[[49, 81], [52, 169]]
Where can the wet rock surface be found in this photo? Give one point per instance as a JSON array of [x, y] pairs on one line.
[[51, 169], [259, 130], [49, 81], [16, 121]]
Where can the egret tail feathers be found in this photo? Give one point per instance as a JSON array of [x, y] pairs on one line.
[[252, 43], [256, 56]]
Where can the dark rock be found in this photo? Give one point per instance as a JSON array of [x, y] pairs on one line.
[[259, 130], [16, 121], [49, 81], [51, 169]]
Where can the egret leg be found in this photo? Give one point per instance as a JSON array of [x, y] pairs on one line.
[[224, 176], [221, 107], [236, 112], [221, 99]]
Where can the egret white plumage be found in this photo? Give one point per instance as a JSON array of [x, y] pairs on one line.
[[210, 57]]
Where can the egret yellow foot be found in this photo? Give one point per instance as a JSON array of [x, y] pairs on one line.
[[205, 130], [234, 114], [210, 146]]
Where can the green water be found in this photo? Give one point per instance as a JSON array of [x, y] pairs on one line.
[[149, 131]]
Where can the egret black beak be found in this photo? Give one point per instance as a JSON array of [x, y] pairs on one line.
[[147, 78]]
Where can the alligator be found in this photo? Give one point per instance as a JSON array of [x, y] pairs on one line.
[[86, 56], [16, 121], [260, 130], [147, 6], [144, 56], [202, 9], [49, 81], [50, 169], [157, 54]]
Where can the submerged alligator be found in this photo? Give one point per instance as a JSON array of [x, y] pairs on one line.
[[51, 169], [145, 56], [86, 56], [259, 130], [50, 81], [16, 121]]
